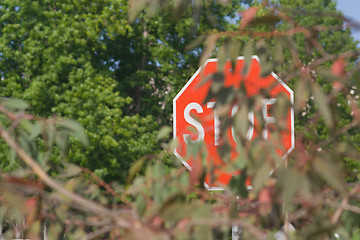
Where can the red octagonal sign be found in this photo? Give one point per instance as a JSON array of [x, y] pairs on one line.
[[196, 121]]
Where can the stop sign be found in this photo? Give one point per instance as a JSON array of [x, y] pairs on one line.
[[196, 121]]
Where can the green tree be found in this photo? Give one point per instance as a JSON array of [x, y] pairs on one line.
[[52, 55], [84, 61]]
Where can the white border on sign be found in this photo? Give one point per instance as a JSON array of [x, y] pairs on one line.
[[192, 79]]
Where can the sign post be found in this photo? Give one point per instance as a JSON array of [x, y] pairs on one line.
[[197, 121]]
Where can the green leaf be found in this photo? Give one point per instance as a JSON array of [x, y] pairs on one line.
[[241, 121], [203, 232], [241, 160], [54, 231], [217, 83], [330, 171], [279, 51], [327, 74], [356, 80], [12, 156], [224, 151], [280, 111], [50, 133], [222, 56], [72, 170], [261, 175], [237, 184], [2, 214], [302, 94], [35, 228], [62, 142], [268, 19], [322, 104], [290, 179], [164, 132], [24, 142], [159, 193], [266, 68], [196, 42], [15, 104], [76, 130], [248, 52], [135, 7], [194, 148], [140, 205], [225, 96], [176, 211], [177, 197], [234, 52], [180, 6], [134, 169], [262, 50], [36, 130], [205, 79], [209, 48]]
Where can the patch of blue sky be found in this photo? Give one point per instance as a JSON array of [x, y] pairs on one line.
[[351, 8]]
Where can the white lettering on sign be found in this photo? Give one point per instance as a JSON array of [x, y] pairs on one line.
[[268, 120], [193, 122], [265, 103], [216, 123], [251, 118]]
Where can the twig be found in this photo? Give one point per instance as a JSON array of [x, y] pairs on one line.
[[319, 61], [344, 206], [275, 33], [335, 218], [108, 188], [84, 203], [14, 116], [284, 33], [302, 12], [224, 221], [97, 233], [332, 57]]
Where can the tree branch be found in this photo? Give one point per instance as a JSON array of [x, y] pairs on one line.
[[76, 199]]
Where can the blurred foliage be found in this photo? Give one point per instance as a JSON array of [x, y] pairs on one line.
[[85, 61]]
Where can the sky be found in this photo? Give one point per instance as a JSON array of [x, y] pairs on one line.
[[351, 8]]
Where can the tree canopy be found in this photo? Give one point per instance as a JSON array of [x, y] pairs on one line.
[[86, 62]]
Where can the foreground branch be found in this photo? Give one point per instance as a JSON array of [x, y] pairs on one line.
[[78, 200]]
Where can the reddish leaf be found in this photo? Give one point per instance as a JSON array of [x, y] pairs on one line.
[[247, 16], [31, 211], [157, 222], [31, 203], [355, 111], [196, 172], [182, 225], [304, 157], [337, 86], [338, 67], [265, 201], [306, 203]]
